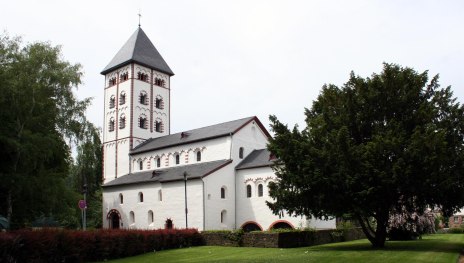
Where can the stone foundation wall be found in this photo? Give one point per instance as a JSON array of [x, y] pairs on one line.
[[280, 239]]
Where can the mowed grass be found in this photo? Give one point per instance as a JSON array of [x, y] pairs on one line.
[[432, 248]]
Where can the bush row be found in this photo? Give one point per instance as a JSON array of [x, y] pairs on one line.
[[82, 246]]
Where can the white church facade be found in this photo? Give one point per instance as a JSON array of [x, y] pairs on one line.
[[209, 178]]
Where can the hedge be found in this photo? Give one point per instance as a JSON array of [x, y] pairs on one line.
[[82, 246]]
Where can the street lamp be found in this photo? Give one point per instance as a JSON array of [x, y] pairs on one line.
[[185, 197]]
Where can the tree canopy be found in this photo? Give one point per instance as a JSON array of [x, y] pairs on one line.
[[40, 117], [390, 142]]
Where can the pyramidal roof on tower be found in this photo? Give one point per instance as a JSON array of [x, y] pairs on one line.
[[139, 49]]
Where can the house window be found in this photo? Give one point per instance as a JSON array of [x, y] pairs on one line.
[[142, 76], [112, 82], [122, 98], [124, 77], [240, 153], [140, 165], [198, 156], [121, 199], [158, 162], [151, 218], [112, 102], [260, 190], [143, 98], [223, 192], [456, 219], [111, 125], [223, 216], [248, 191], [158, 126], [122, 122], [143, 122], [159, 104], [132, 217], [177, 158], [160, 195]]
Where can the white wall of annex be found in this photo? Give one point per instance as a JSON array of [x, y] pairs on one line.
[[255, 209], [224, 177], [171, 206], [250, 137]]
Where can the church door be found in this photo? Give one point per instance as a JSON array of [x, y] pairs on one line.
[[115, 221]]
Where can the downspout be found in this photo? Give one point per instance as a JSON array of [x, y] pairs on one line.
[[204, 205], [235, 186]]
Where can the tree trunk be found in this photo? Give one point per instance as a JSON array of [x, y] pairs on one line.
[[377, 237]]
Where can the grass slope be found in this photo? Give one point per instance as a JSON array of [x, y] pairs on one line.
[[432, 248]]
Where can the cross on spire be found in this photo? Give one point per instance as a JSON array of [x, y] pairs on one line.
[[139, 17]]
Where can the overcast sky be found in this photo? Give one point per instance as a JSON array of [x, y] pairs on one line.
[[234, 59]]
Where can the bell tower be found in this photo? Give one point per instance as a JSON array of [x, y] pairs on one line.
[[137, 102]]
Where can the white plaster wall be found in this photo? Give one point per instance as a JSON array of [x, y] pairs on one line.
[[211, 150], [123, 156], [109, 159], [171, 206], [250, 137], [255, 208], [214, 203]]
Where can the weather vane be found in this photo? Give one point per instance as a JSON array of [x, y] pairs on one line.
[[139, 17]]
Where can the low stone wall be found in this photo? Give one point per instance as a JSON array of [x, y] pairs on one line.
[[280, 239]]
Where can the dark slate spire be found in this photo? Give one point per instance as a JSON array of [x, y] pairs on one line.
[[139, 49]]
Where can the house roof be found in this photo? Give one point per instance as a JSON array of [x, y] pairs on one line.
[[194, 171], [200, 134], [257, 158], [139, 49]]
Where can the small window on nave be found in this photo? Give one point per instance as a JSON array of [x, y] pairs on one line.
[[158, 162], [177, 158], [241, 153], [121, 199], [260, 190], [248, 191], [140, 165], [198, 156], [140, 197]]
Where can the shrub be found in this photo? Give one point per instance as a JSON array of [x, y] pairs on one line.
[[78, 246]]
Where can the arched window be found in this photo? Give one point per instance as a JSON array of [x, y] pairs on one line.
[[142, 76], [240, 153], [132, 217], [177, 156], [123, 77], [112, 101], [159, 126], [159, 104], [140, 197], [248, 191], [143, 98], [121, 199], [140, 165], [198, 156], [260, 190], [223, 216], [151, 218], [160, 195], [112, 81], [122, 121], [122, 98], [111, 125], [223, 192], [143, 123], [158, 162]]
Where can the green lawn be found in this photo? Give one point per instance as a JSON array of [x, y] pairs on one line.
[[432, 248]]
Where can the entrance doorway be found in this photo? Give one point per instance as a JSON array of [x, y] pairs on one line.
[[114, 219]]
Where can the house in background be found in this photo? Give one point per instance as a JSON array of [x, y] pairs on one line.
[[209, 178]]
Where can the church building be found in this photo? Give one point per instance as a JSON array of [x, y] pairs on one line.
[[209, 178]]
